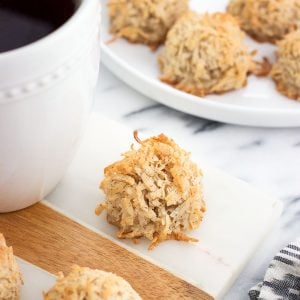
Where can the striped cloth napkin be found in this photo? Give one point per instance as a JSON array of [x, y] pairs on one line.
[[282, 279]]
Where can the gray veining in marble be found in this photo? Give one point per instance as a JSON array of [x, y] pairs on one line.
[[267, 158]]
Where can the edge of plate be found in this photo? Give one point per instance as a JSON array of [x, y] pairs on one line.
[[197, 106]]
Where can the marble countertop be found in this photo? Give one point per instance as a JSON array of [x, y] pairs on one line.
[[266, 158]]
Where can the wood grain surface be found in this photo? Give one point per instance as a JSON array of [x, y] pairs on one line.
[[53, 242]]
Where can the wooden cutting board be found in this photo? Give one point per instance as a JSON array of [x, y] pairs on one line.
[[53, 242]]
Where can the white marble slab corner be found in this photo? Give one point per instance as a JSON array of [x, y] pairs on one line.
[[36, 281], [237, 220]]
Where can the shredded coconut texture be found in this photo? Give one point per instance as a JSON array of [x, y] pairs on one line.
[[267, 20], [286, 71], [144, 21], [206, 54], [154, 192], [90, 284], [10, 276]]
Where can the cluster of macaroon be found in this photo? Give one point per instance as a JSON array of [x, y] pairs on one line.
[[206, 54]]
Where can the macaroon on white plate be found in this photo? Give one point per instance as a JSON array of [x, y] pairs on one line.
[[258, 104]]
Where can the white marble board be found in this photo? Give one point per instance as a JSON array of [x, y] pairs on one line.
[[36, 281], [238, 216]]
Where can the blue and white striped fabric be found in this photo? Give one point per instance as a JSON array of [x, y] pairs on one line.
[[282, 279]]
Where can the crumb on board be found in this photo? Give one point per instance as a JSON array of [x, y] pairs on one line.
[[266, 20], [91, 284], [144, 21], [206, 54]]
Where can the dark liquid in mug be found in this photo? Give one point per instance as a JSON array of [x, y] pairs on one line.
[[25, 21]]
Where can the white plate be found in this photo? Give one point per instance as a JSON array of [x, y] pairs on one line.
[[237, 219], [259, 104]]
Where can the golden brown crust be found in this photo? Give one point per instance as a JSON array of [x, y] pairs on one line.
[[287, 91], [144, 21], [90, 284], [266, 20], [154, 192], [286, 70], [263, 68], [206, 54], [10, 276]]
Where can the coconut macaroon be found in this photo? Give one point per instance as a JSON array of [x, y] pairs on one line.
[[10, 276], [266, 20], [91, 284], [286, 71], [144, 21], [154, 192], [206, 54]]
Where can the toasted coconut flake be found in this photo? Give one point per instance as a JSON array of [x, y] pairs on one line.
[[266, 20], [144, 21], [154, 192], [206, 54]]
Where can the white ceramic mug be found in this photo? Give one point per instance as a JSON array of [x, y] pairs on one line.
[[46, 93]]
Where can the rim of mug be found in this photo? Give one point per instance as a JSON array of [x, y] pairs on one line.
[[81, 8]]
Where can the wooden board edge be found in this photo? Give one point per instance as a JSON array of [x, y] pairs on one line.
[[53, 242]]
